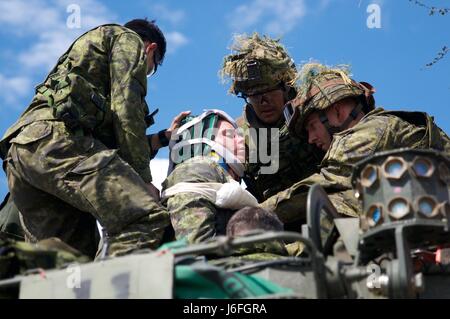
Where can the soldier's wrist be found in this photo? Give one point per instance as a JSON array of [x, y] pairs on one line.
[[163, 139]]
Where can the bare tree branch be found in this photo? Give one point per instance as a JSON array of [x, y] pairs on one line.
[[431, 9], [438, 57]]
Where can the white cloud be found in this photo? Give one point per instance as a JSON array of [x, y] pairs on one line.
[[34, 17], [277, 17], [46, 21], [43, 24], [164, 14], [45, 52], [27, 17], [168, 16], [14, 88], [175, 40], [173, 16], [324, 4], [159, 167]]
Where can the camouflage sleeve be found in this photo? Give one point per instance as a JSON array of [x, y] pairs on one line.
[[152, 151], [128, 89], [347, 149], [419, 136], [404, 134]]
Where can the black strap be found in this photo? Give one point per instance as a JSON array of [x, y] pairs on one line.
[[150, 119], [351, 117], [336, 129], [163, 138]]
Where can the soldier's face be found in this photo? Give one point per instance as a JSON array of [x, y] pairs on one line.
[[336, 113], [268, 106], [317, 132]]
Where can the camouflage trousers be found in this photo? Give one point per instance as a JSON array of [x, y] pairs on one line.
[[194, 216], [63, 182]]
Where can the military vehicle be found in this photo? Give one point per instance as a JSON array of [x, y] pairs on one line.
[[398, 248]]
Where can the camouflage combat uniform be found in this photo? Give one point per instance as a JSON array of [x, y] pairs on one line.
[[194, 216], [378, 130], [80, 152], [296, 158]]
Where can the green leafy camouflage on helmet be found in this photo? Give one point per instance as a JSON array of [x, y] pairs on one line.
[[322, 86], [258, 63]]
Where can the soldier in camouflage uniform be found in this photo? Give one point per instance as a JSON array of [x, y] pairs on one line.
[[190, 190], [194, 216], [264, 75], [339, 115], [80, 153]]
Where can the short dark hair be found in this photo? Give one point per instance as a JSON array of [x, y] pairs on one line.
[[149, 31], [253, 218]]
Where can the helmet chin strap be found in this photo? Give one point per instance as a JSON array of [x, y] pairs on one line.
[[336, 129]]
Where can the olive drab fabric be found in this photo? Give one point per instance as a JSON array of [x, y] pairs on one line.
[[296, 159], [23, 258], [195, 217], [79, 153], [379, 130], [17, 257]]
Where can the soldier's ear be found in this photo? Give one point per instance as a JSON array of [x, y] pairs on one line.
[[337, 108], [335, 112], [150, 47]]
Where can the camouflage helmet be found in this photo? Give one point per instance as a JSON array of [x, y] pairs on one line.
[[257, 64], [322, 86]]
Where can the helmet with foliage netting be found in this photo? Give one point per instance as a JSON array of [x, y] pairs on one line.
[[257, 64], [322, 86]]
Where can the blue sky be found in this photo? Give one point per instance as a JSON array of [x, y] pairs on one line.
[[34, 33]]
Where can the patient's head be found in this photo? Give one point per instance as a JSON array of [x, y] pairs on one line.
[[231, 138], [250, 219]]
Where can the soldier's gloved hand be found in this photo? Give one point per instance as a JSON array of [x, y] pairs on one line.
[[176, 123], [163, 137], [153, 191]]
